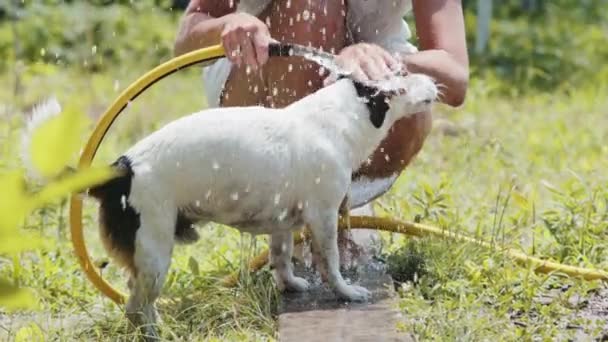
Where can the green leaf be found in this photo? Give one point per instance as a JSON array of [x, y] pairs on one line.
[[520, 200], [29, 333], [193, 265], [13, 298], [16, 240], [55, 142], [81, 180], [13, 202]]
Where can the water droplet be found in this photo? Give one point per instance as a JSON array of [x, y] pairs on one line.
[[248, 70], [123, 202], [216, 165], [289, 67], [283, 215], [317, 180], [255, 89], [300, 205], [305, 15], [234, 196], [387, 158], [290, 21], [197, 203], [275, 91], [277, 198], [94, 49]]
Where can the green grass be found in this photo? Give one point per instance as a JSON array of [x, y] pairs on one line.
[[525, 172]]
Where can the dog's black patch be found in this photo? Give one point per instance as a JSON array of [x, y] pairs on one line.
[[184, 229], [119, 219], [377, 103]]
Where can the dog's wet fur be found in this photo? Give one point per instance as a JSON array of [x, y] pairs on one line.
[[119, 222], [283, 177]]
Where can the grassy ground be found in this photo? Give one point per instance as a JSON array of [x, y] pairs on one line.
[[524, 172]]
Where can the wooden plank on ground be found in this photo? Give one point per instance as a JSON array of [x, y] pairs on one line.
[[318, 316]]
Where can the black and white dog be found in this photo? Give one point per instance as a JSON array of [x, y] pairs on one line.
[[261, 170]]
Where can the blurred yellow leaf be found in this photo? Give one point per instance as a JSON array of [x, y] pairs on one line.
[[17, 240], [67, 185], [13, 202], [14, 298], [520, 200], [29, 333], [55, 142]]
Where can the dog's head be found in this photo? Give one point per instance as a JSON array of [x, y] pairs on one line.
[[397, 97]]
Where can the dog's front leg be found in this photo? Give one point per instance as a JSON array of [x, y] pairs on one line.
[[153, 248], [281, 249], [324, 230]]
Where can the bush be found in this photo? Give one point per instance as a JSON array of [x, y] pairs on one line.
[[559, 44], [89, 36]]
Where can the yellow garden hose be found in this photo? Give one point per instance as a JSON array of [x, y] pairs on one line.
[[209, 54], [90, 149]]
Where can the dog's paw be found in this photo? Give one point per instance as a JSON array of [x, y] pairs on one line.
[[354, 293], [296, 284]]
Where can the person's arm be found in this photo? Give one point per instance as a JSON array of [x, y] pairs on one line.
[[443, 55], [244, 37], [201, 25]]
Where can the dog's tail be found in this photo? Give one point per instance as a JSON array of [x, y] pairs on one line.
[[41, 114]]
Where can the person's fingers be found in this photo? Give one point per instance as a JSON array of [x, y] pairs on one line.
[[369, 65], [231, 47], [382, 62], [391, 61], [359, 74], [261, 40], [248, 50]]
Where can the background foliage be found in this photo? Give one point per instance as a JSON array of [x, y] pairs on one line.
[[536, 44]]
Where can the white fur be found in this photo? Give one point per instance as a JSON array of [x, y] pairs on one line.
[[41, 113]]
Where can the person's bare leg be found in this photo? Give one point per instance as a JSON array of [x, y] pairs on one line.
[[395, 153]]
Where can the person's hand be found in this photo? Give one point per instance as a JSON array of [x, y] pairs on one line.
[[245, 39], [366, 62]]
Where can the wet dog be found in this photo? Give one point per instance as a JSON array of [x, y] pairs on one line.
[[261, 170]]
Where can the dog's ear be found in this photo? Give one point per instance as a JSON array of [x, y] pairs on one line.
[[377, 102]]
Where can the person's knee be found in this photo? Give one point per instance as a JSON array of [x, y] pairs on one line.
[[398, 149]]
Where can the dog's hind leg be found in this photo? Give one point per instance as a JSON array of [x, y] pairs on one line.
[[281, 249], [324, 228], [153, 248]]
